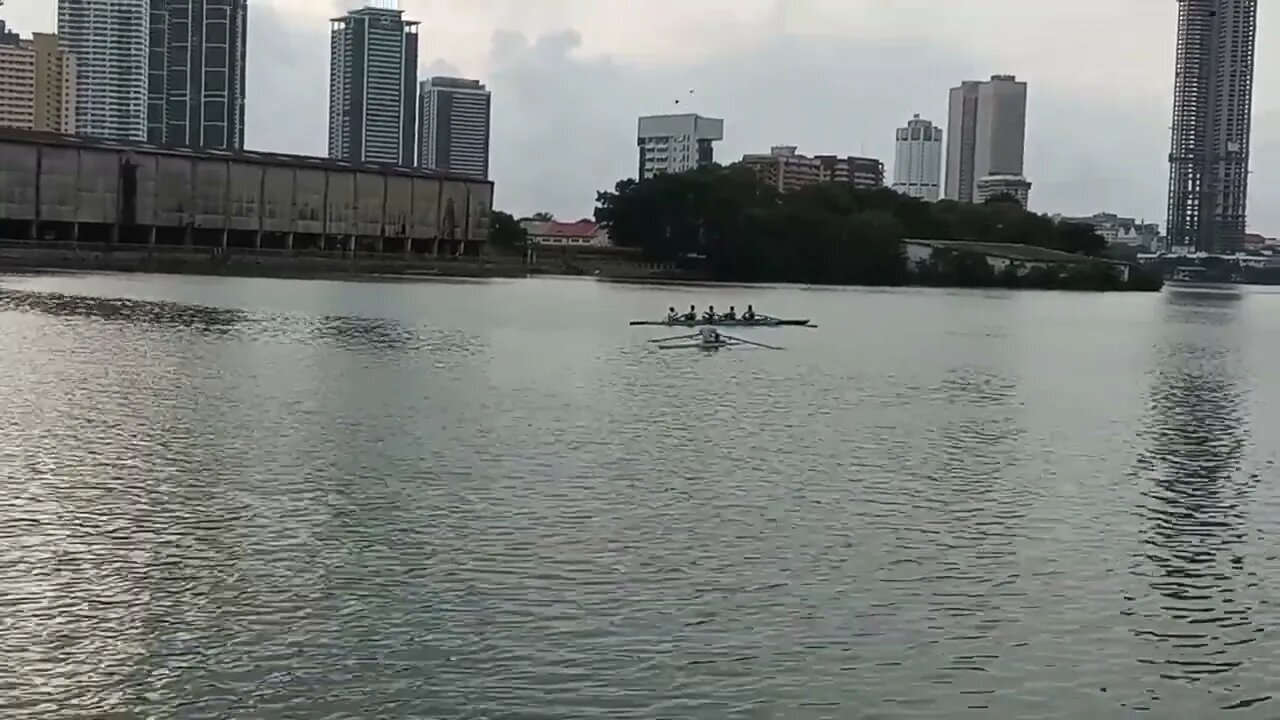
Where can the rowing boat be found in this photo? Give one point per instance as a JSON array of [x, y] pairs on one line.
[[758, 322], [707, 338]]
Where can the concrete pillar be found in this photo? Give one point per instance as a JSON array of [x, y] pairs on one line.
[[351, 245], [288, 241], [188, 235], [151, 236], [377, 245], [257, 240], [35, 229], [114, 236], [75, 232], [223, 244], [435, 247]]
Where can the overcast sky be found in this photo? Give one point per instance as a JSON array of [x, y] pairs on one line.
[[569, 78]]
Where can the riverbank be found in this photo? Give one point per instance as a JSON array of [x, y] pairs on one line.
[[280, 264]]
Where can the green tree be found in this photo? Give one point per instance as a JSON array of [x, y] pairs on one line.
[[505, 231]]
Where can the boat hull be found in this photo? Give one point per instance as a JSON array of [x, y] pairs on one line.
[[722, 323]]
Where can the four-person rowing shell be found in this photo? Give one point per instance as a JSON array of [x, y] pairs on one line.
[[710, 315]]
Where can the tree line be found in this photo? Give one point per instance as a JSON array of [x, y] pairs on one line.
[[737, 228]]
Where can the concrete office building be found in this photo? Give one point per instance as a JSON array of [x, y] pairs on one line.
[[453, 126], [1212, 124], [917, 165], [986, 133], [37, 83], [676, 143], [196, 73], [373, 81], [109, 40]]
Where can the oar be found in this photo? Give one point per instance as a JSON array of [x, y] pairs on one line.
[[749, 342], [673, 337]]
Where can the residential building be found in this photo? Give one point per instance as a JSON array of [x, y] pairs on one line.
[[784, 169], [453, 126], [583, 233], [109, 40], [196, 73], [676, 143], [787, 170], [1212, 117], [986, 133], [1119, 230], [1015, 186], [373, 79], [37, 83], [917, 165], [864, 172]]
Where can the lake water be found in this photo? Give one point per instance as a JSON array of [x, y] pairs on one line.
[[243, 498]]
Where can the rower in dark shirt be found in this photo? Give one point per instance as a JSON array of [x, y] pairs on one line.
[[731, 315], [750, 313], [710, 315], [692, 314]]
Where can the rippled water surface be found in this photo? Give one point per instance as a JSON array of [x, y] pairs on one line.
[[233, 498]]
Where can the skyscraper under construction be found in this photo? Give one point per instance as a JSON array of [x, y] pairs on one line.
[[1212, 114]]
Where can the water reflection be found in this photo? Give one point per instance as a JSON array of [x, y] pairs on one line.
[[1200, 620], [140, 312]]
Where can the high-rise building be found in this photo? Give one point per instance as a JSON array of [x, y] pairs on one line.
[[373, 78], [986, 133], [453, 126], [109, 40], [917, 165], [196, 73], [676, 143], [37, 83], [1212, 120]]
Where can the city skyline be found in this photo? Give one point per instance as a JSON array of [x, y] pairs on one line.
[[1099, 122]]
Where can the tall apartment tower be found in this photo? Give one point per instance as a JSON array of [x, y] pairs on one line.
[[37, 83], [917, 166], [109, 40], [986, 133], [373, 76], [676, 143], [1212, 120], [453, 126], [196, 73]]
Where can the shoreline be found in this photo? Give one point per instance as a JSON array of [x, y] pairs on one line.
[[378, 268]]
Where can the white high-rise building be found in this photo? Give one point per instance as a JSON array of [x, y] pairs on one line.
[[986, 133], [676, 143], [109, 41], [917, 166], [453, 126], [373, 82]]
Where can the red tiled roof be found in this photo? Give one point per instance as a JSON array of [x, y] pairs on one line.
[[555, 228]]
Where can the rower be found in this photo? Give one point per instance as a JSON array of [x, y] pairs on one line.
[[750, 313], [710, 314], [710, 335], [692, 314], [731, 315], [672, 314]]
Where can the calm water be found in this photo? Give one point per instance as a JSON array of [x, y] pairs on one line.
[[232, 498]]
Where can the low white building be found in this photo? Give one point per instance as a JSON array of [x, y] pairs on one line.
[[582, 233], [1119, 230], [1015, 186], [1003, 256]]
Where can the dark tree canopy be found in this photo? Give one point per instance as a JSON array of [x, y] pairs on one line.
[[741, 229], [505, 231]]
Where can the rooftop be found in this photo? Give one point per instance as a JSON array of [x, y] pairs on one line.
[[1010, 251], [49, 139], [555, 228]]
